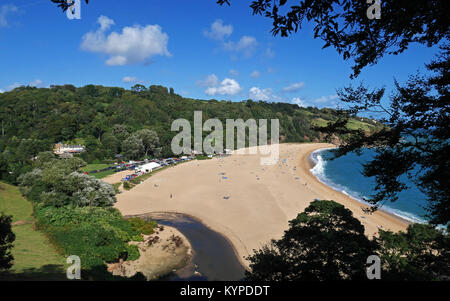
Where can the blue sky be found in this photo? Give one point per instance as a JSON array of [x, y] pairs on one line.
[[199, 48]]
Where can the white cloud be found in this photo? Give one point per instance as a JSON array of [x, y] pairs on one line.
[[327, 99], [246, 46], [255, 74], [270, 53], [105, 23], [13, 86], [129, 79], [227, 87], [298, 101], [35, 83], [221, 32], [135, 44], [4, 10], [256, 93], [294, 87], [210, 81], [218, 30], [330, 101], [1, 91], [234, 72]]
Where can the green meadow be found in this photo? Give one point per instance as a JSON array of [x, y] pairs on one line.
[[35, 258], [99, 175]]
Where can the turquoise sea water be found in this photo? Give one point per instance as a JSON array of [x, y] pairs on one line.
[[344, 175]]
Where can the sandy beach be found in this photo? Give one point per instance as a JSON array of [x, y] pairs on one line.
[[248, 203]]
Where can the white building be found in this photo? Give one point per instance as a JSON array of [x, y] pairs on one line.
[[60, 149], [149, 167]]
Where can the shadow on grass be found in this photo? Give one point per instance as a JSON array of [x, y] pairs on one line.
[[50, 272], [54, 272]]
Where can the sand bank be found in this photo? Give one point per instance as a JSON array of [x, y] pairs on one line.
[[163, 252], [248, 203]]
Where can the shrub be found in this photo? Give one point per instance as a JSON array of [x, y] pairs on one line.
[[126, 185], [6, 239], [116, 187], [142, 226], [420, 253], [97, 235], [54, 187]]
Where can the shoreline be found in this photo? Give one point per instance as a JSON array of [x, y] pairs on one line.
[[308, 164], [312, 164], [165, 213], [252, 204]]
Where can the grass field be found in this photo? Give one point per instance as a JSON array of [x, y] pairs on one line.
[[319, 122], [92, 167], [103, 174], [99, 175], [353, 124], [34, 257]]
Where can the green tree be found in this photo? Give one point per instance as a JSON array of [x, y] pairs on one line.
[[58, 183], [139, 88], [87, 191], [120, 131], [415, 141], [150, 140], [7, 238], [422, 253], [133, 147], [43, 158], [325, 242], [99, 126], [110, 142]]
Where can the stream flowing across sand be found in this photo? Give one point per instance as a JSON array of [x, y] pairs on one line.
[[214, 257]]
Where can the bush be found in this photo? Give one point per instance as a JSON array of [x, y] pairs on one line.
[[6, 239], [97, 235], [142, 226], [420, 253], [59, 187], [75, 210], [126, 185], [116, 187]]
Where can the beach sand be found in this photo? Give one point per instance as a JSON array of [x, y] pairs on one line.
[[116, 177], [247, 202]]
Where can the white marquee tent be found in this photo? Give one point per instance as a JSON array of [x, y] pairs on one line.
[[149, 167]]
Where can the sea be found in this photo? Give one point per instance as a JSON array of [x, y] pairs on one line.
[[344, 174]]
